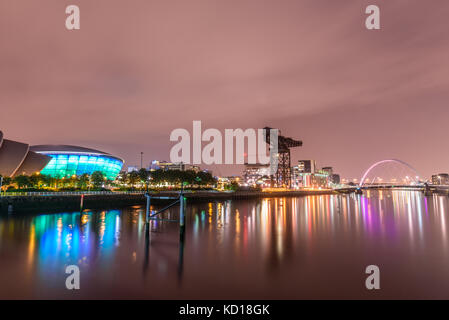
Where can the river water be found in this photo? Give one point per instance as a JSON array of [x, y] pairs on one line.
[[279, 248]]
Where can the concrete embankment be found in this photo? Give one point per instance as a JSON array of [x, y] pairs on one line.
[[23, 204], [55, 202]]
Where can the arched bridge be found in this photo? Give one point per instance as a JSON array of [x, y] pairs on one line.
[[407, 176], [393, 173]]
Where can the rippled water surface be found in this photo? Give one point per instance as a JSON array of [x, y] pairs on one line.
[[280, 248]]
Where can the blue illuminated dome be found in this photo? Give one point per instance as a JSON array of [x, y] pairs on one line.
[[68, 161]]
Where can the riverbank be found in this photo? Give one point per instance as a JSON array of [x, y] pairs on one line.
[[72, 202]]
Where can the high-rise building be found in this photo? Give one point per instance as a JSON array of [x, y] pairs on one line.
[[440, 179], [306, 166], [302, 174], [307, 175], [335, 178], [256, 174]]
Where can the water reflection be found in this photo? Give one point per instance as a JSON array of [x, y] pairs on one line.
[[263, 246], [74, 238]]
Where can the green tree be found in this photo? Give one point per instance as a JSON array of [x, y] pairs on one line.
[[46, 181], [22, 181], [73, 182], [233, 186], [6, 182], [206, 178], [97, 179], [35, 181], [122, 177], [189, 177], [133, 178], [84, 181], [144, 175]]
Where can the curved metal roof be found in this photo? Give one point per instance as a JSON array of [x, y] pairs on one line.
[[34, 162], [12, 155], [69, 149]]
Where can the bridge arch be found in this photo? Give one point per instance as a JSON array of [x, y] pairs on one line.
[[362, 180]]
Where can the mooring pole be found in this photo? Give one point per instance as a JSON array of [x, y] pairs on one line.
[[181, 211], [182, 225], [82, 203], [182, 208], [147, 215]]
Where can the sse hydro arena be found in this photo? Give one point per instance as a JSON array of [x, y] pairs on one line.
[[67, 161]]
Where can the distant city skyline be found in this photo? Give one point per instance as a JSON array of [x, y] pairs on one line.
[[137, 70]]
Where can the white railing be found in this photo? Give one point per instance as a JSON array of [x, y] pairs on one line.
[[67, 193], [76, 193]]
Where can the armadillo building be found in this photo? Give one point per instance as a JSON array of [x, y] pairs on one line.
[[16, 158], [67, 161]]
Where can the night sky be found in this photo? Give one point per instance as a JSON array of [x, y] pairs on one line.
[[138, 69]]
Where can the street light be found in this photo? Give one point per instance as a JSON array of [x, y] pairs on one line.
[[1, 185]]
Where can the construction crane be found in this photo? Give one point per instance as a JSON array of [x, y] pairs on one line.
[[283, 175]]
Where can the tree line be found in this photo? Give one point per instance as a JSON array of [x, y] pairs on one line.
[[97, 181], [166, 178]]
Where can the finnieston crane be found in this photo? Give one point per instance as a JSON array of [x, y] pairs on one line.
[[283, 176]]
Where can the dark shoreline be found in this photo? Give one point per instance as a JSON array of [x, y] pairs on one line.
[[36, 203]]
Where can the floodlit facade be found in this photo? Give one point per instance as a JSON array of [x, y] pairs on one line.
[[307, 175], [440, 179], [257, 174], [68, 161], [165, 165], [17, 159]]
